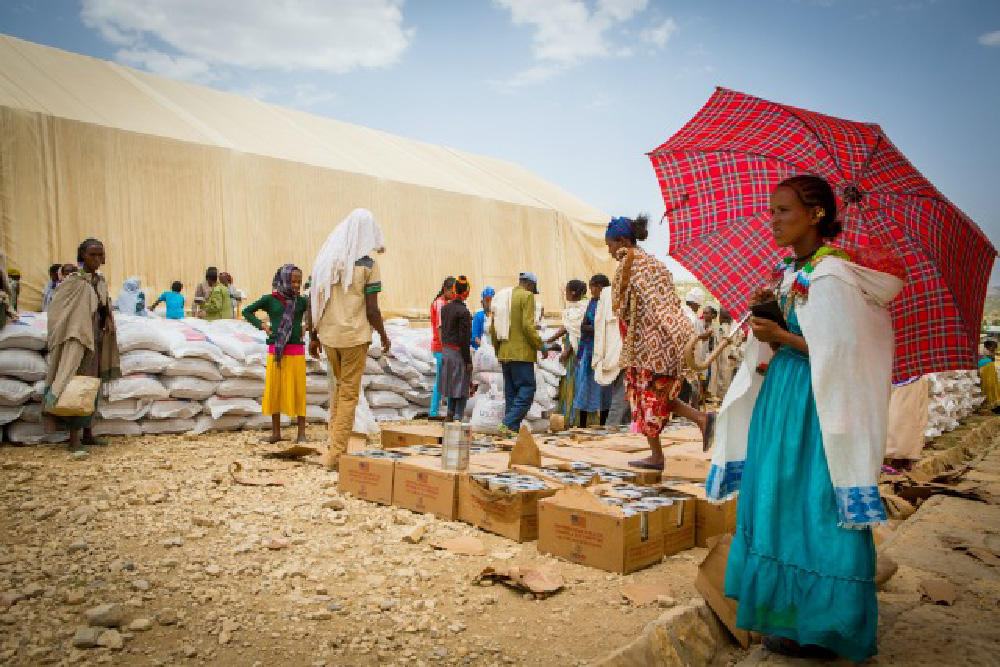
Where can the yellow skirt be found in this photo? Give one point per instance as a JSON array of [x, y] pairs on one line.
[[990, 384], [285, 389]]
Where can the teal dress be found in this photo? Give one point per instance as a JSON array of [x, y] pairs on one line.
[[795, 572]]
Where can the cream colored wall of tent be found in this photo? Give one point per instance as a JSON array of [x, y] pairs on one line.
[[174, 177]]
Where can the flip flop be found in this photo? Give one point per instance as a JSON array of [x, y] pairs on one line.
[[94, 442], [647, 465], [708, 437]]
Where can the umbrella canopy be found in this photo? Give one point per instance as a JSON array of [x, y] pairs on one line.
[[717, 174]]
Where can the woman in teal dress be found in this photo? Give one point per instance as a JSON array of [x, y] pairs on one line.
[[802, 561], [570, 332]]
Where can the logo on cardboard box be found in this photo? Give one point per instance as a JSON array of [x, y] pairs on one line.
[[578, 520], [422, 477], [363, 465]]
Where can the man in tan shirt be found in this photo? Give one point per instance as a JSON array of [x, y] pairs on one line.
[[345, 310]]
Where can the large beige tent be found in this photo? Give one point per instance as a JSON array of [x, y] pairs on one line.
[[174, 177]]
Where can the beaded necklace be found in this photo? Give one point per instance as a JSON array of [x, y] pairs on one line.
[[799, 289]]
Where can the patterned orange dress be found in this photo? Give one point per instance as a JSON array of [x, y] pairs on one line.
[[654, 333]]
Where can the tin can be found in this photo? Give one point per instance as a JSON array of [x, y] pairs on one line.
[[455, 446]]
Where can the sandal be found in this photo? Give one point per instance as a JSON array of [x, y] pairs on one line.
[[708, 437], [647, 465], [94, 442]]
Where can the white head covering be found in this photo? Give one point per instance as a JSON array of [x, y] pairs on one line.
[[357, 236], [696, 295], [128, 299]]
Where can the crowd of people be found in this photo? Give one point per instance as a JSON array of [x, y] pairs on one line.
[[804, 456]]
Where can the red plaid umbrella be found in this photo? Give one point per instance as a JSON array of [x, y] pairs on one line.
[[717, 174]]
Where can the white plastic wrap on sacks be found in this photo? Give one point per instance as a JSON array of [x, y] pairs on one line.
[[317, 399], [28, 433], [130, 409], [375, 350], [144, 361], [174, 409], [485, 360], [205, 423], [372, 367], [420, 398], [140, 333], [160, 426], [231, 368], [30, 332], [135, 386], [316, 414], [241, 388], [236, 338], [188, 341], [551, 365], [411, 411], [489, 410], [191, 388], [26, 365], [9, 413], [217, 406], [200, 368], [14, 392], [386, 414], [400, 369], [396, 385], [317, 384], [38, 391], [116, 427], [32, 412], [385, 399]]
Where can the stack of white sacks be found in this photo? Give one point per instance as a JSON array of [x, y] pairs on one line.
[[954, 395], [194, 376]]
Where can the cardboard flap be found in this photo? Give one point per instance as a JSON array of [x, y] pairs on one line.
[[525, 450], [578, 498]]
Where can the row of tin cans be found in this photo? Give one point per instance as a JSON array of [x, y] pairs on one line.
[[511, 482]]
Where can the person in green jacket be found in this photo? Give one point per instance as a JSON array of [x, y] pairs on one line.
[[285, 388], [218, 305], [517, 342]]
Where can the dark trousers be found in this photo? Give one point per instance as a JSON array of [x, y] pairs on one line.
[[518, 391]]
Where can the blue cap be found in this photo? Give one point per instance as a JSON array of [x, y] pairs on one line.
[[488, 292]]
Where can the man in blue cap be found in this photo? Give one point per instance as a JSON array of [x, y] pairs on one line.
[[517, 343], [481, 321]]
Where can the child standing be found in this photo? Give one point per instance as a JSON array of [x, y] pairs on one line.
[[174, 300], [446, 294], [456, 355], [285, 389]]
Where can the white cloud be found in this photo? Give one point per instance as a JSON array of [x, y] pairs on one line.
[[661, 34], [194, 39], [990, 38], [568, 32]]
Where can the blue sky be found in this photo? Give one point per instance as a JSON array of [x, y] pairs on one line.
[[578, 90]]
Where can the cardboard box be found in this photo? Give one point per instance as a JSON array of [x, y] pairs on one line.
[[592, 533], [601, 458], [421, 486], [711, 583], [680, 529], [408, 435], [514, 516], [366, 478], [711, 519]]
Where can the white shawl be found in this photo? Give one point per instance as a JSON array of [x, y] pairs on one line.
[[849, 332], [572, 320], [501, 313], [606, 361], [355, 237]]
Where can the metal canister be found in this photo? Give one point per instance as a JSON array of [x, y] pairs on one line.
[[455, 446]]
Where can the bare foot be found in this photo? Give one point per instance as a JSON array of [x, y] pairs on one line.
[[272, 439], [301, 439]]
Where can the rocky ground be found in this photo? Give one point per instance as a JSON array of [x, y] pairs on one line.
[[197, 569], [147, 553]]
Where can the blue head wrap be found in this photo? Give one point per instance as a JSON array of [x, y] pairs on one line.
[[488, 292], [619, 228]]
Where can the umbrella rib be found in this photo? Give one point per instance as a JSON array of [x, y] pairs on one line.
[[734, 151], [822, 143]]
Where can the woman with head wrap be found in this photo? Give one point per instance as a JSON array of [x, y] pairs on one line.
[[456, 351], [654, 333], [131, 300], [346, 284], [481, 320], [285, 389], [82, 339], [572, 321], [236, 296]]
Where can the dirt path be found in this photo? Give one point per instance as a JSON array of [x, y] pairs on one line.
[[155, 525]]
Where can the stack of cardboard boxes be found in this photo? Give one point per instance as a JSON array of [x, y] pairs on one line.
[[585, 525]]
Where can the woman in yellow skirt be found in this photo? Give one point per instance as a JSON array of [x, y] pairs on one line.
[[285, 391]]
